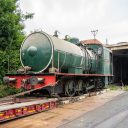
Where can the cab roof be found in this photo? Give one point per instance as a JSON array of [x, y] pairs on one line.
[[91, 41]]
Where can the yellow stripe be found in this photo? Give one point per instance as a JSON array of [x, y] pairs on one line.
[[18, 110], [12, 116], [6, 117], [1, 114]]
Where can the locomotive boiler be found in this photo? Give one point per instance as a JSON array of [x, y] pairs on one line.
[[42, 53]]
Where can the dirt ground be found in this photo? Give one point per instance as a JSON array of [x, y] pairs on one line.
[[63, 114]]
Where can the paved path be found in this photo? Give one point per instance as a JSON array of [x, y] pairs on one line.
[[113, 114]]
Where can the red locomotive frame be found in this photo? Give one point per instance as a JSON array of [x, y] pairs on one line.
[[50, 79]]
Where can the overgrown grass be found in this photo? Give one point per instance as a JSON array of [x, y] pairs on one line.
[[7, 90], [117, 87], [125, 88], [114, 87]]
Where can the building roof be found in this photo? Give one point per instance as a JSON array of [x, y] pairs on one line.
[[118, 46], [91, 41]]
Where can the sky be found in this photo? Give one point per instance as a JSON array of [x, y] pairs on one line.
[[77, 18]]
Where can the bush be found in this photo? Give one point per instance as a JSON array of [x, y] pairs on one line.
[[8, 90]]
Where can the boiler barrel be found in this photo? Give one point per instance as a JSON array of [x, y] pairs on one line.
[[40, 51]]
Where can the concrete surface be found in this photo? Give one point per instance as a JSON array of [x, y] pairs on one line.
[[113, 114]]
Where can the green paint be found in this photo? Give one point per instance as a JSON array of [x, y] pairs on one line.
[[36, 52]]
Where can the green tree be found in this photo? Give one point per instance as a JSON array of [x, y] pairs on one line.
[[11, 33]]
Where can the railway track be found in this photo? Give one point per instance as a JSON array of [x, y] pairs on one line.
[[15, 107]]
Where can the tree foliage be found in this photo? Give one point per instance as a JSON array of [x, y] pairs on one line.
[[11, 34]]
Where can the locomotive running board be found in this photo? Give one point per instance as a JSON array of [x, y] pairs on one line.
[[70, 74]]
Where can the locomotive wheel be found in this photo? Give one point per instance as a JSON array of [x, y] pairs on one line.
[[79, 87], [100, 84], [88, 85], [85, 86], [70, 88]]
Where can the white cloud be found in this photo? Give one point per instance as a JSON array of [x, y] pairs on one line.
[[77, 18]]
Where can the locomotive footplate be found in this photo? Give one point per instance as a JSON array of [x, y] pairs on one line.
[[86, 75]]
